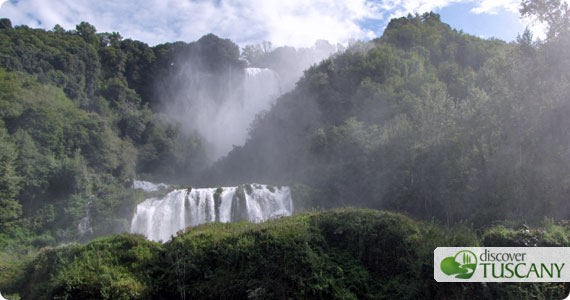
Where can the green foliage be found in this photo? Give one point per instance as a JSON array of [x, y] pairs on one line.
[[337, 254], [555, 13], [239, 205], [12, 273], [87, 32], [306, 198], [548, 234], [76, 126], [425, 120], [5, 23], [10, 209], [211, 55], [118, 267], [218, 202]]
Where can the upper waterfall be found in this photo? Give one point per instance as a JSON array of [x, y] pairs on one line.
[[221, 112], [159, 219], [148, 186], [229, 126]]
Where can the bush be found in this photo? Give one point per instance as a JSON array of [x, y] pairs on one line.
[[336, 254]]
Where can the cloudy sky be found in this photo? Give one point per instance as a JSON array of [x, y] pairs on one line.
[[291, 22]]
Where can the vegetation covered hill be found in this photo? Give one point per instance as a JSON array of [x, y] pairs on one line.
[[77, 125], [338, 254], [83, 113], [425, 120]]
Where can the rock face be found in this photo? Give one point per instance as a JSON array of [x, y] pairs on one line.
[[160, 219]]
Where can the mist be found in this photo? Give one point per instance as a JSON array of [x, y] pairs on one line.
[[218, 100], [425, 120], [220, 112]]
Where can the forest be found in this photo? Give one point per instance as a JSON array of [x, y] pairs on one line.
[[423, 137]]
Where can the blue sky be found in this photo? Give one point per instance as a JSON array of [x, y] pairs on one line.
[[292, 22], [504, 25]]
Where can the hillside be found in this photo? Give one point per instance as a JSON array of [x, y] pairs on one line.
[[83, 113], [339, 254], [76, 126], [425, 120]]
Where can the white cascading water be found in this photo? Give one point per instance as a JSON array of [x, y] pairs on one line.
[[228, 124], [261, 87], [225, 124], [84, 225], [160, 219], [148, 186]]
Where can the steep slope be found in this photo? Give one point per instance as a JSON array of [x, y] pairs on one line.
[[426, 120]]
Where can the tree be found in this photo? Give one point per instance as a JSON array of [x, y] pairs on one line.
[[88, 33], [266, 46], [58, 29], [555, 13], [5, 23], [252, 53], [10, 209]]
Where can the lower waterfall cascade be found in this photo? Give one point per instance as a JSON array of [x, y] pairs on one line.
[[160, 219]]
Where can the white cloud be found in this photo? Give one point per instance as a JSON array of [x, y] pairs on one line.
[[291, 22], [398, 8], [401, 7], [495, 6], [294, 22]]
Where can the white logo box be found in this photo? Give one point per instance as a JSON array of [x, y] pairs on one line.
[[505, 264]]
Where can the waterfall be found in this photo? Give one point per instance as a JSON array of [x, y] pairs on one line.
[[159, 219], [84, 225], [261, 87], [148, 186], [227, 125], [220, 111]]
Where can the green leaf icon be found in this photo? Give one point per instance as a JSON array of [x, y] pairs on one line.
[[463, 264]]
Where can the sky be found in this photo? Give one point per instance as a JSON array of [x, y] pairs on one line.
[[292, 22]]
